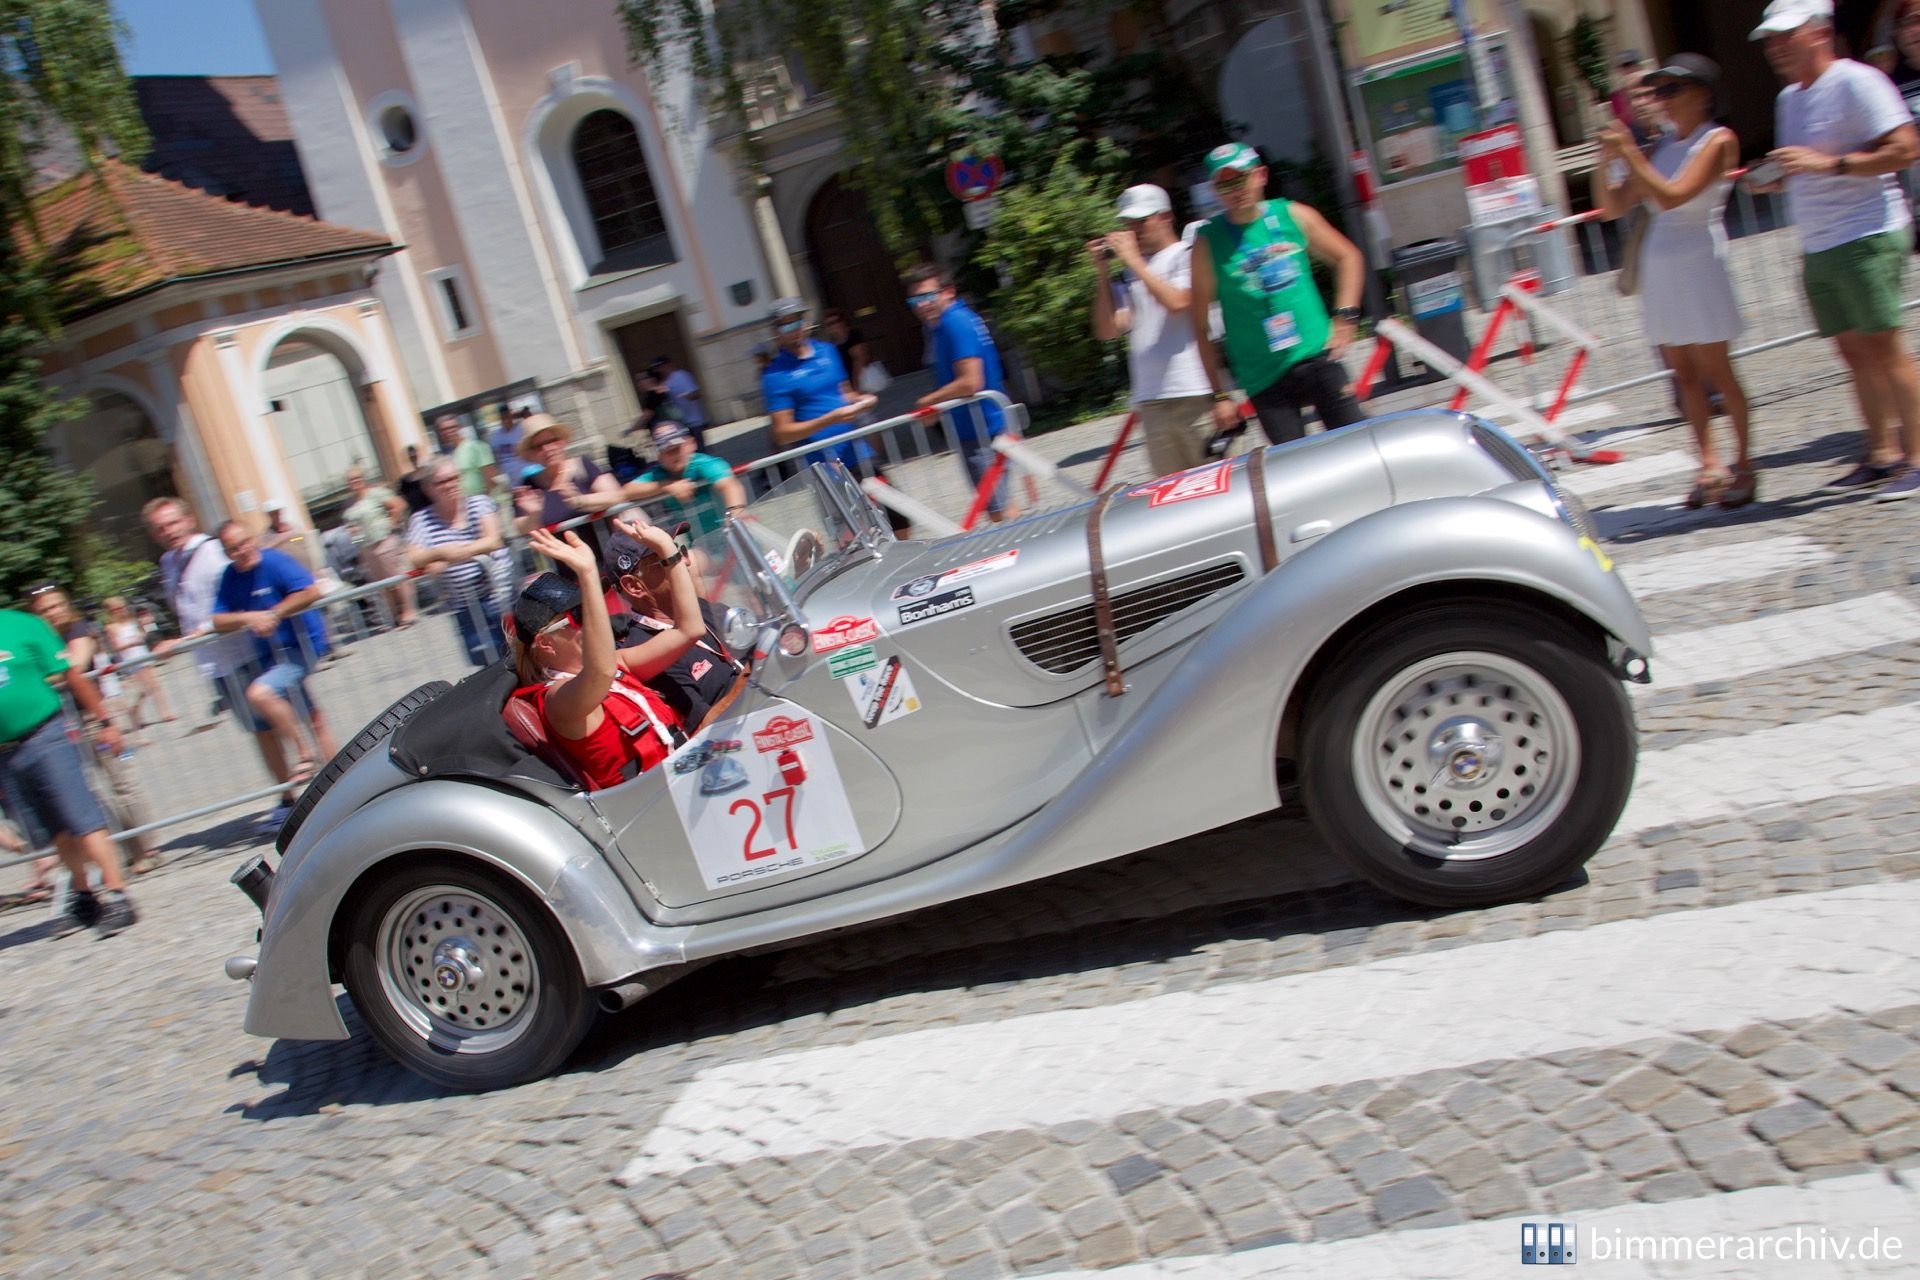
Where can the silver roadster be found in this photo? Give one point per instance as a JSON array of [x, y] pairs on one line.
[[1406, 627]]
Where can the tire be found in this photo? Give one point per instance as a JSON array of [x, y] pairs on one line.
[[486, 994], [1468, 756], [377, 731]]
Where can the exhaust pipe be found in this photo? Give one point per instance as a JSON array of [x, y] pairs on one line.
[[255, 879], [622, 995]]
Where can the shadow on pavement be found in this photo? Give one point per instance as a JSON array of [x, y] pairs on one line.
[[1265, 878]]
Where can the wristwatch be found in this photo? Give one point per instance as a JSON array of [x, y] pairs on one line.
[[1840, 165], [1347, 313], [669, 561]]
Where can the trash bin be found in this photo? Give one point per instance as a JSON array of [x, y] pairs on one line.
[[1494, 262], [1429, 277]]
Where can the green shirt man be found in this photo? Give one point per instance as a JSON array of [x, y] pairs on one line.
[[30, 655], [1282, 343]]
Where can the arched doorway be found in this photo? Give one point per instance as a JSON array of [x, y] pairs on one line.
[[317, 407], [856, 274], [117, 446], [1266, 85]]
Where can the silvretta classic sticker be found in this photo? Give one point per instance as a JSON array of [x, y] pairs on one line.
[[884, 694], [842, 632], [851, 661], [932, 582], [936, 606], [1202, 482]]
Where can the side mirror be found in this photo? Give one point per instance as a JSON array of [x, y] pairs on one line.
[[740, 628]]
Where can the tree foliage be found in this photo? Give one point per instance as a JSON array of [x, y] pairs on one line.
[[918, 84], [60, 74]]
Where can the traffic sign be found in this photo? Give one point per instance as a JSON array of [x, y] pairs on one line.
[[972, 178]]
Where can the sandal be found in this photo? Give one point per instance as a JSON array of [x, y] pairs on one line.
[[1707, 487], [1744, 488]]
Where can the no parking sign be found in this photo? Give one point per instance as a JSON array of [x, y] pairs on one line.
[[972, 178]]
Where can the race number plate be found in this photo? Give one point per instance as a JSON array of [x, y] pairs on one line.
[[791, 812]]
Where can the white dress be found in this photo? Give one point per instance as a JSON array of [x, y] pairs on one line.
[[1686, 295]]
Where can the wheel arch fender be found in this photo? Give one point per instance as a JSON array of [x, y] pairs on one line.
[[292, 989], [1450, 550]]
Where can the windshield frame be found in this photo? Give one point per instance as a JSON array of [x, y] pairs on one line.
[[848, 540]]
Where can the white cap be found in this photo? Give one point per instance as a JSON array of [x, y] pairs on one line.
[[1144, 201], [1791, 15]]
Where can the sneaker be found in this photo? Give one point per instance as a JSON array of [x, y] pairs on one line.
[[83, 909], [1867, 473], [1906, 485], [116, 913], [273, 821]]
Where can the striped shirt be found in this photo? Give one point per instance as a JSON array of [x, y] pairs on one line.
[[468, 578]]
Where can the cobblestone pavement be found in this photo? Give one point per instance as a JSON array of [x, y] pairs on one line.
[[1217, 1058]]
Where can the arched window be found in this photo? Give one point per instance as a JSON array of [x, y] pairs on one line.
[[619, 194]]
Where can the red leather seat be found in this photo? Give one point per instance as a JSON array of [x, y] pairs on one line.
[[530, 731]]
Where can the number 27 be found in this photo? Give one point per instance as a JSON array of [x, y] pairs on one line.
[[779, 793]]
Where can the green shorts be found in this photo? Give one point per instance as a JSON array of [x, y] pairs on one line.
[[1856, 286]]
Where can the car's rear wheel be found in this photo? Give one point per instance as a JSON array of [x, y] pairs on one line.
[[1463, 757], [462, 977]]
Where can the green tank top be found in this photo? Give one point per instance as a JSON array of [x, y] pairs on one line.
[[1270, 307]]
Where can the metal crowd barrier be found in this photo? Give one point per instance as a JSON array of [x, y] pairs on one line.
[[209, 761], [1763, 257]]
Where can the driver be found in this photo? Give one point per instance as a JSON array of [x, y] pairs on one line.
[[598, 711], [704, 673]]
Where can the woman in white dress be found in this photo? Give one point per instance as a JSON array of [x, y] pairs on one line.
[[1686, 295]]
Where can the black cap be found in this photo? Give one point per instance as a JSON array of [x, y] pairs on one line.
[[1687, 66], [625, 552], [541, 601]]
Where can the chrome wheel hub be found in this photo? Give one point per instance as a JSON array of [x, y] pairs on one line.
[[1466, 755], [457, 968]]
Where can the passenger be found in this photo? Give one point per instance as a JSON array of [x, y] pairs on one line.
[[702, 675], [598, 713]]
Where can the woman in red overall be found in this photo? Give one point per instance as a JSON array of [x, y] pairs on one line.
[[593, 700]]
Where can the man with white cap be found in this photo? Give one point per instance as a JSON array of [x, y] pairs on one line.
[[1844, 132], [1170, 390]]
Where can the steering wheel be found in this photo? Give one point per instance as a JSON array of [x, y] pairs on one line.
[[804, 550]]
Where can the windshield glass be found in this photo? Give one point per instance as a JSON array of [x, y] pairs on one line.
[[801, 532]]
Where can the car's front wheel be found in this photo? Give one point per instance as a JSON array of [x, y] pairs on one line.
[[462, 977], [1463, 757]]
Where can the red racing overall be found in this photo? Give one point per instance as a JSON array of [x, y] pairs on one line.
[[637, 731]]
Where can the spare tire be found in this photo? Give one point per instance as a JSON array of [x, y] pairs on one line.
[[378, 730]]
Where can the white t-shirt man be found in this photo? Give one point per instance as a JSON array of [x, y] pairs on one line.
[[1162, 358], [190, 578], [686, 394], [1849, 106]]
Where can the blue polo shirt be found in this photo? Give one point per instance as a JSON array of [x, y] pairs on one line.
[[960, 334], [276, 577], [809, 386]]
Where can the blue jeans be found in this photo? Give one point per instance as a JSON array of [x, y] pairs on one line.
[[479, 621], [43, 782], [979, 457]]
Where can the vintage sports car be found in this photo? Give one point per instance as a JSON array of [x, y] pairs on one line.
[[1405, 626]]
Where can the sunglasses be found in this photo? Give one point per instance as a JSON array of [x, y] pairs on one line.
[[921, 299], [789, 326], [1228, 179], [1672, 88]]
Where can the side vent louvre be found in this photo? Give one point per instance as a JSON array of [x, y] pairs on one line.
[[1066, 641]]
